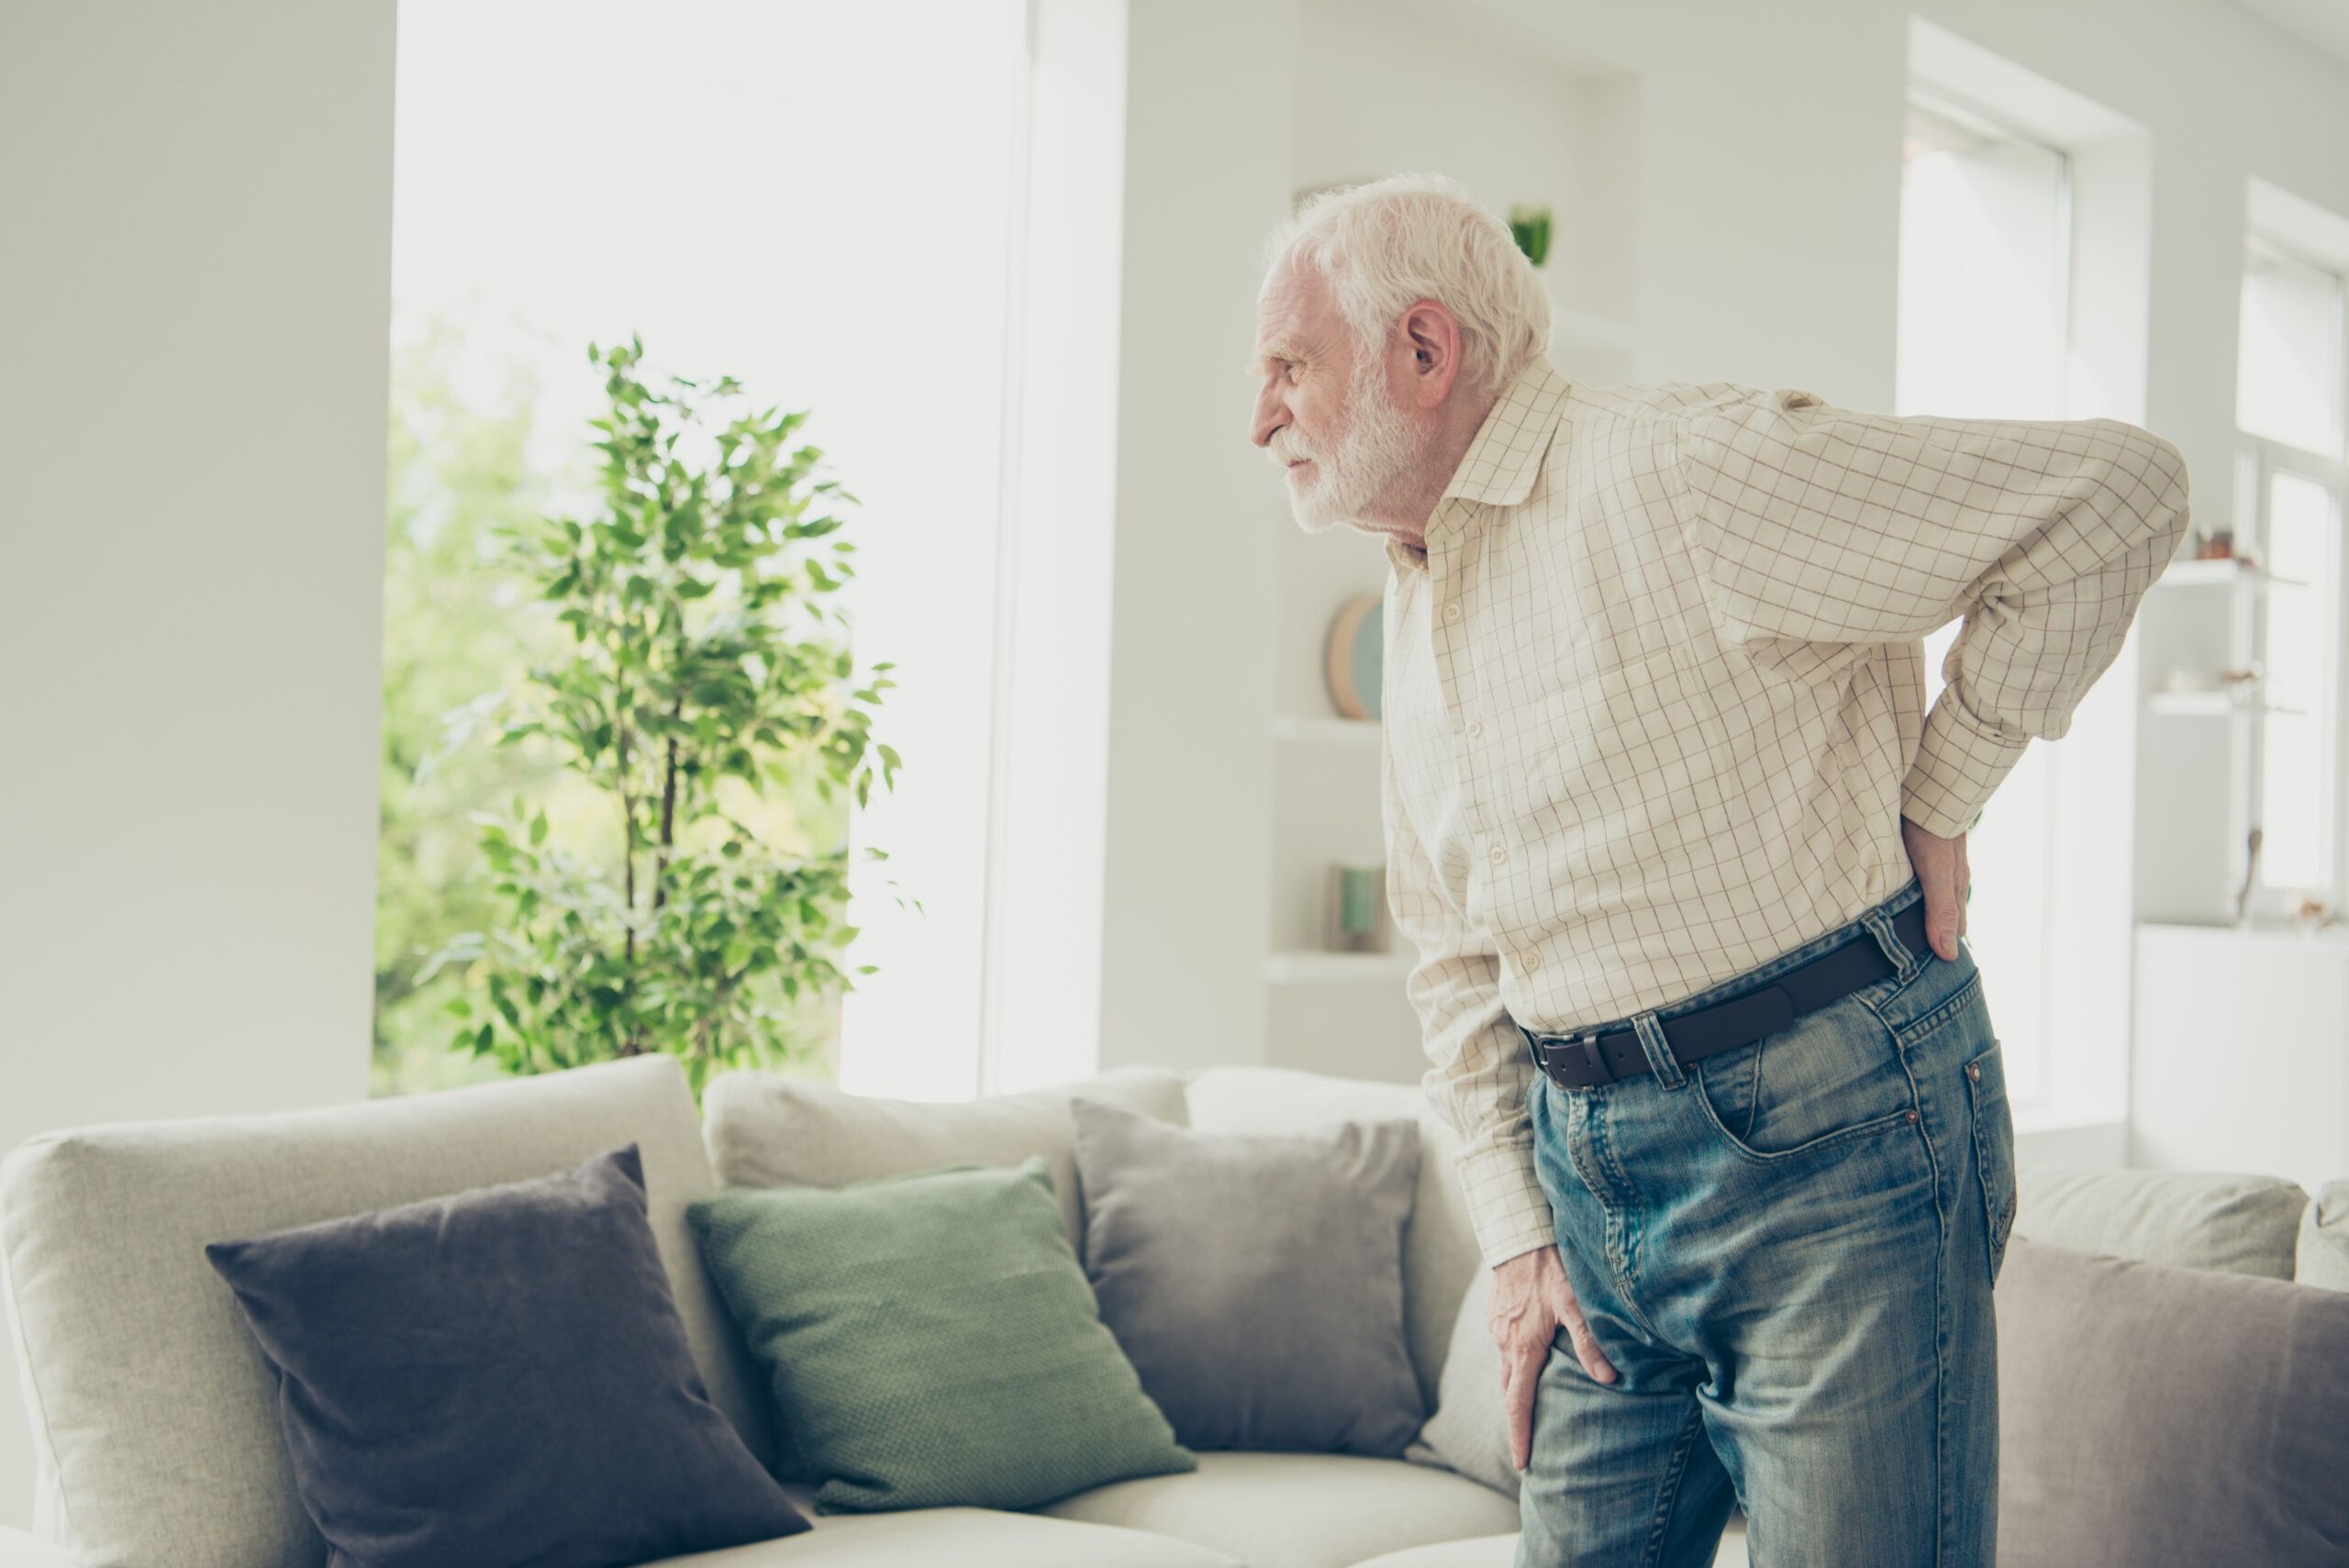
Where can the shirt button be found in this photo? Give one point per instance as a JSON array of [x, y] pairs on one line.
[[1528, 960], [1974, 1071], [1451, 611], [1500, 854], [1475, 730]]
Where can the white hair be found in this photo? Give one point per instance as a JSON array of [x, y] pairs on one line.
[[1388, 244]]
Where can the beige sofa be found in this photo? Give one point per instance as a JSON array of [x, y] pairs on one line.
[[151, 1412]]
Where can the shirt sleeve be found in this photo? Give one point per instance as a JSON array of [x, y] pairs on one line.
[[1481, 1070], [1820, 524]]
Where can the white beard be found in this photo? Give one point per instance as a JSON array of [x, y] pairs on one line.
[[1380, 446]]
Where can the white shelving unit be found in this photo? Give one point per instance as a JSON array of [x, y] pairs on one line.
[[1328, 968], [1325, 730], [2201, 618]]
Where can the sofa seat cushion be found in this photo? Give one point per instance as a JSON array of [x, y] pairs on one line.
[[963, 1538], [2185, 1219], [1297, 1511], [155, 1429], [1500, 1551]]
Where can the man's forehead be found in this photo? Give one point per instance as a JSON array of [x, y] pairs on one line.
[[1284, 322]]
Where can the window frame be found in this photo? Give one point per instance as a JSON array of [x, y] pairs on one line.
[[2258, 460]]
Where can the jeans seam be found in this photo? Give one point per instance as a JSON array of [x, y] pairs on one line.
[[1942, 1523], [1624, 1284], [1692, 1426]]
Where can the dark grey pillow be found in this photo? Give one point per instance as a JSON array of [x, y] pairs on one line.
[[2154, 1414], [1255, 1279], [497, 1377]]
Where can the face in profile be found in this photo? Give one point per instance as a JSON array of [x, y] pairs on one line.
[[1325, 415]]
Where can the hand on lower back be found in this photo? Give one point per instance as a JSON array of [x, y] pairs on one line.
[[1941, 871], [1530, 1300]]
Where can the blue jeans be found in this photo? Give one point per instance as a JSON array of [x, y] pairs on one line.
[[1787, 1251]]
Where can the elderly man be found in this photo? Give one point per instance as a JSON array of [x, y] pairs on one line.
[[1683, 856]]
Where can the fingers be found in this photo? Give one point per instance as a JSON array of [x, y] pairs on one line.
[[1586, 1343], [1521, 1371], [1937, 874], [1965, 884]]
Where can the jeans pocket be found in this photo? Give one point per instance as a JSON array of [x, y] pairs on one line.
[[1831, 1076], [1994, 1149]]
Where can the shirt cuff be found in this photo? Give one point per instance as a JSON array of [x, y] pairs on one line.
[[1506, 1207], [1959, 764]]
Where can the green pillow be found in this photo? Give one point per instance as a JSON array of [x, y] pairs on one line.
[[931, 1338]]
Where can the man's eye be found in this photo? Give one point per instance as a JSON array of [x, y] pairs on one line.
[[1292, 369]]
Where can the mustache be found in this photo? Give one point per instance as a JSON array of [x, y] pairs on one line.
[[1281, 452]]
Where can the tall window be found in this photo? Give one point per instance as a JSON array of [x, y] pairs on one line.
[[2290, 412], [1983, 333], [810, 197]]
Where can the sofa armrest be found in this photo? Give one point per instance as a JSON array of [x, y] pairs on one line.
[[19, 1550]]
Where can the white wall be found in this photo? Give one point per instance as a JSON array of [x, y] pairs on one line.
[[195, 287], [1192, 606]]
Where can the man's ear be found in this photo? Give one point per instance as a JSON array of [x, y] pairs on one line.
[[1432, 334]]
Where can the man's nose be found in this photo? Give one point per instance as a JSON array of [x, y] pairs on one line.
[[1267, 421]]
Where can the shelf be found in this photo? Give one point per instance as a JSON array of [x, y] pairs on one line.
[[1324, 968], [1325, 730], [2204, 573], [2208, 705]]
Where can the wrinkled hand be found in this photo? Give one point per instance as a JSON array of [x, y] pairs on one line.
[[1531, 1299], [1941, 868]]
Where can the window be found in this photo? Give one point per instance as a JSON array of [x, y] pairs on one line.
[[1983, 333], [808, 197], [2291, 480]]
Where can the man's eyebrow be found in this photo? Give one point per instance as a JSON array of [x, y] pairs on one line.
[[1279, 349]]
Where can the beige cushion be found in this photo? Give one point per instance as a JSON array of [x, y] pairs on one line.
[[1500, 1551], [2237, 1224], [1440, 1253], [1469, 1431], [2167, 1414], [767, 1131], [154, 1410], [963, 1538], [2322, 1255], [1297, 1511]]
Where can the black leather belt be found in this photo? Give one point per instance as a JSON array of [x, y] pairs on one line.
[[1591, 1057]]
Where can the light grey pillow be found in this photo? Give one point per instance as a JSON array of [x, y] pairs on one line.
[[2323, 1252], [1468, 1434], [2239, 1224], [2149, 1414], [1255, 1279]]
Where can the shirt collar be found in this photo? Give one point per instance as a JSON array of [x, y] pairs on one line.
[[1504, 456]]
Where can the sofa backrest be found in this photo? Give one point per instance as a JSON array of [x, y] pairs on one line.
[[767, 1130], [153, 1412], [1440, 1252], [2238, 1224]]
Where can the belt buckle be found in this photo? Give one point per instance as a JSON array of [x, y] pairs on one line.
[[1582, 1040]]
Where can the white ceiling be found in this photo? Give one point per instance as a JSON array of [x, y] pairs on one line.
[[2323, 23]]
